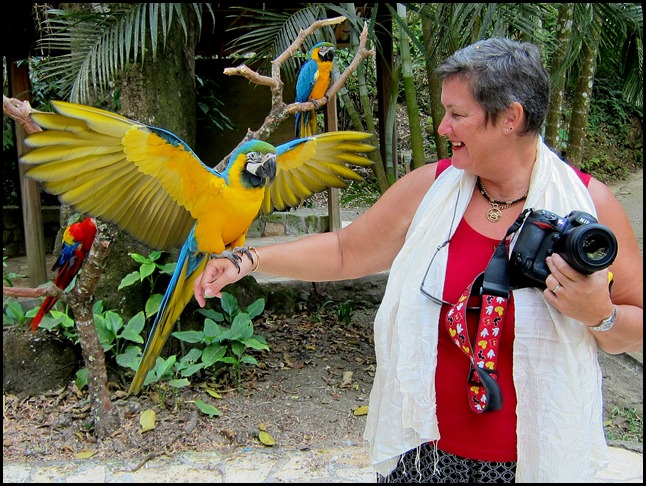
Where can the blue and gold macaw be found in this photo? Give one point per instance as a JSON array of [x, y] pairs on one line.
[[312, 84], [149, 183]]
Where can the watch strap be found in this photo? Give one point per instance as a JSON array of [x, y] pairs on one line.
[[607, 323]]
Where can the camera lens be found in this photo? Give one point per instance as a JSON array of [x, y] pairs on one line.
[[591, 248]]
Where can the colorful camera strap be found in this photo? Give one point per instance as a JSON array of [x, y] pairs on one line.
[[483, 391]]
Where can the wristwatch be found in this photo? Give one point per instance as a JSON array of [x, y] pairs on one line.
[[607, 323]]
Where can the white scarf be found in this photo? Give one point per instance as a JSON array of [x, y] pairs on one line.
[[556, 372]]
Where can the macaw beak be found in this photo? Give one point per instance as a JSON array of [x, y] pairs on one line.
[[265, 170], [269, 167], [326, 53]]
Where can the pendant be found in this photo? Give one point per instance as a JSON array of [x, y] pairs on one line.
[[494, 214]]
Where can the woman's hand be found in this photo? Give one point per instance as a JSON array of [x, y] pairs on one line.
[[219, 273], [585, 298]]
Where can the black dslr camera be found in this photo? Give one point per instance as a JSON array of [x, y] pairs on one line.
[[582, 242]]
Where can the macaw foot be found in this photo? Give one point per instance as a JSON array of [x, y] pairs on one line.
[[316, 103], [235, 255]]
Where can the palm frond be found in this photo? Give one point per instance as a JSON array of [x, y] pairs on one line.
[[271, 32], [85, 50]]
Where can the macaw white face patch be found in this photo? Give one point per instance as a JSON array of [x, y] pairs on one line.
[[256, 160]]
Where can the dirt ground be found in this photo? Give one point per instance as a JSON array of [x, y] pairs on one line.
[[304, 394], [316, 374]]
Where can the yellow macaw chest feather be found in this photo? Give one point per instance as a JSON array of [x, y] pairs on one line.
[[222, 222]]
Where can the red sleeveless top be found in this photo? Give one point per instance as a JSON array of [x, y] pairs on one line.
[[490, 436]]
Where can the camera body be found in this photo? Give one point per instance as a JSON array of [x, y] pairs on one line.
[[578, 237]]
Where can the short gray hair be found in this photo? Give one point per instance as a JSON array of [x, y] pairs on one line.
[[501, 71]]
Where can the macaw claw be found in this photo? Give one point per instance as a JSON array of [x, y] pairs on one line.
[[235, 255]]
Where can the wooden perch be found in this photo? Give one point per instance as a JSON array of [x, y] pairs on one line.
[[280, 111], [20, 111]]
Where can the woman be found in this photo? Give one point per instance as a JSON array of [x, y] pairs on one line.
[[436, 230]]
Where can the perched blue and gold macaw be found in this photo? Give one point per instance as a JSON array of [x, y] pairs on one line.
[[312, 84], [149, 183], [77, 242]]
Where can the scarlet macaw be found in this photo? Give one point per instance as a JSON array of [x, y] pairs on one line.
[[77, 242], [312, 83], [150, 184]]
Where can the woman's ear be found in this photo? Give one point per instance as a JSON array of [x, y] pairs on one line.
[[513, 117]]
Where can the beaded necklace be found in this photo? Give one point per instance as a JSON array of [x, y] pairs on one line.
[[495, 213]]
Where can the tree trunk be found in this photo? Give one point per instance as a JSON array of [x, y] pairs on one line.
[[558, 74], [162, 91], [581, 101], [433, 54], [414, 126], [81, 301]]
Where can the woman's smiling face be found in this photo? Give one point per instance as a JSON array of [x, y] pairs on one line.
[[464, 125]]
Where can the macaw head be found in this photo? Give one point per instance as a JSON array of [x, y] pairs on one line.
[[323, 51], [260, 165]]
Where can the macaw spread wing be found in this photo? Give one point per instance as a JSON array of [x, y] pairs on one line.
[[143, 179], [310, 165]]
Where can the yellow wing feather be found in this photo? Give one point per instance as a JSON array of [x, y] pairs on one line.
[[313, 166], [121, 171]]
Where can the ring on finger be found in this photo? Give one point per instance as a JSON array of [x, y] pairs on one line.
[[558, 286]]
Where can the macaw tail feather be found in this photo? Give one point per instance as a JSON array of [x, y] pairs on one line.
[[178, 294], [45, 307], [306, 124]]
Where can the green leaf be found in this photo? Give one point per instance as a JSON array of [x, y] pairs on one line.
[[165, 366], [97, 308], [207, 409], [152, 304], [247, 359], [132, 331], [213, 353], [193, 356], [146, 269], [154, 255], [179, 383], [211, 314], [256, 308], [129, 280], [191, 370], [255, 344], [212, 330], [168, 268], [238, 348], [189, 336], [139, 258], [229, 304], [130, 359], [13, 311], [114, 322], [81, 379], [242, 327]]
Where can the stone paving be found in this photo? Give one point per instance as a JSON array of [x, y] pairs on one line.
[[334, 465]]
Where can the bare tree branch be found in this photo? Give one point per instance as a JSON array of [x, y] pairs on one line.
[[20, 111], [280, 111]]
